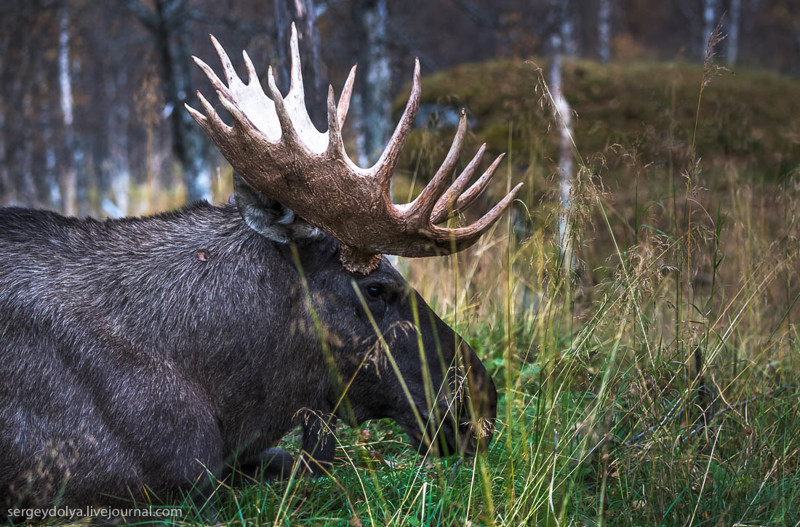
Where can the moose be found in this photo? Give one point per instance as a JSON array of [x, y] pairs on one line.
[[141, 357]]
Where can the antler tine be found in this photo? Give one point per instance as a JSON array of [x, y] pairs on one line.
[[426, 201], [238, 115], [213, 122], [446, 206], [210, 111], [201, 119], [385, 165], [230, 73], [287, 128], [335, 141], [477, 188], [252, 76], [344, 99], [212, 77], [296, 82], [463, 237]]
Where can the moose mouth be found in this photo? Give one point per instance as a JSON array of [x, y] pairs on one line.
[[445, 438], [459, 424]]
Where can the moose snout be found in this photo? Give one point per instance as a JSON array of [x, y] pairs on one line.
[[464, 419], [479, 410]]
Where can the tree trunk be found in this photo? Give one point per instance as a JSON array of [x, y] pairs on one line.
[[23, 151], [67, 180], [5, 184], [29, 192], [490, 19], [733, 32], [710, 14], [119, 176], [371, 20], [168, 25], [196, 175], [6, 196], [303, 14], [604, 31], [569, 46], [563, 116], [50, 172]]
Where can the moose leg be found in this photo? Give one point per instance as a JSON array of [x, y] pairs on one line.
[[272, 463], [316, 457], [319, 443]]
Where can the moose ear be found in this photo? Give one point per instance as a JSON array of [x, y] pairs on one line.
[[269, 218]]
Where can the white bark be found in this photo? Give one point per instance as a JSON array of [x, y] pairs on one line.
[[64, 78], [733, 32], [6, 197], [5, 184], [568, 44], [710, 15], [30, 196], [67, 179], [604, 30], [118, 204], [563, 116], [376, 107], [50, 158], [304, 15]]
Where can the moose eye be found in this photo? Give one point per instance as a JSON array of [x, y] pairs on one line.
[[374, 291]]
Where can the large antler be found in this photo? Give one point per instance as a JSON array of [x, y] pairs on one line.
[[274, 146]]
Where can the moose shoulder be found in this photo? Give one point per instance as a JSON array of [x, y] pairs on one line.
[[145, 355]]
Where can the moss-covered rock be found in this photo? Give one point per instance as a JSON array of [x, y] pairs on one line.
[[750, 119]]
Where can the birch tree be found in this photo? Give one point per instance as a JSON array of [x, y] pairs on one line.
[[67, 179], [374, 95], [566, 27], [167, 23], [118, 144], [733, 31], [563, 115], [710, 15], [303, 14], [5, 182], [24, 153], [604, 30]]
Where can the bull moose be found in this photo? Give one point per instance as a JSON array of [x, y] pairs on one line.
[[143, 356]]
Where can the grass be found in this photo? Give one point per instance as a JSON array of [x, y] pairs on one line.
[[658, 385], [655, 385]]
